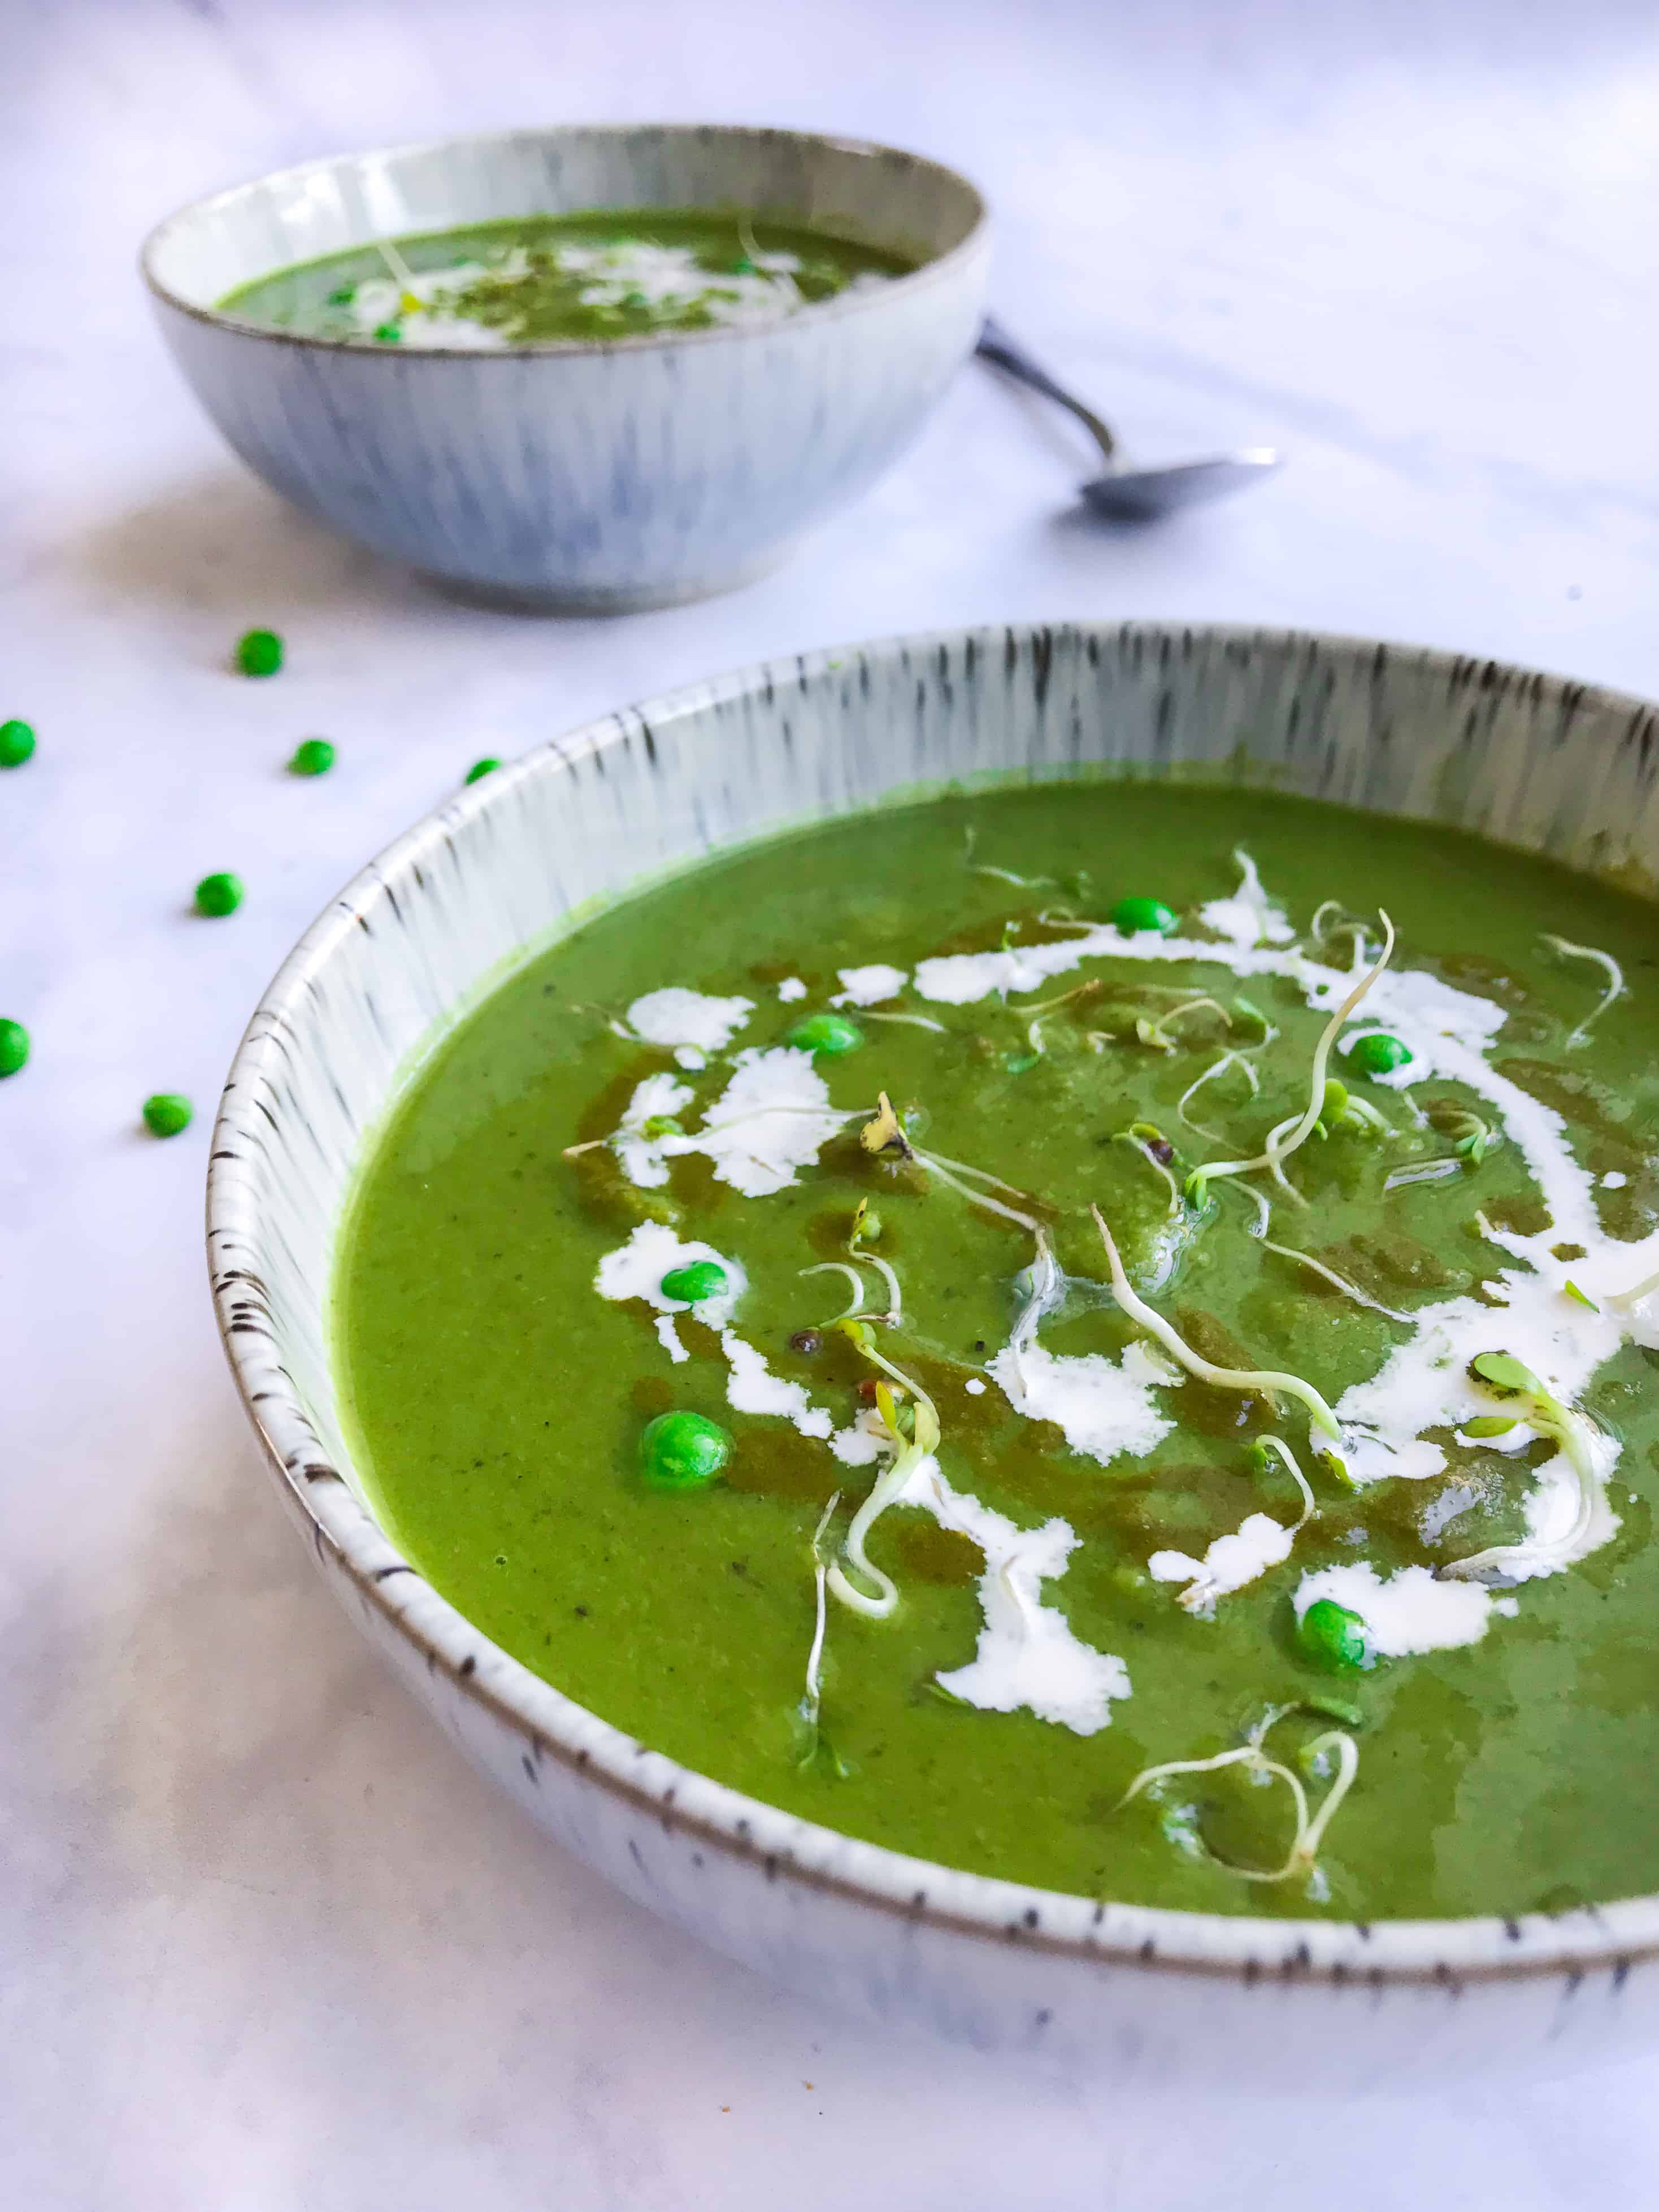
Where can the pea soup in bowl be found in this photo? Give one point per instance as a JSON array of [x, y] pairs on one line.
[[981, 1312], [585, 368]]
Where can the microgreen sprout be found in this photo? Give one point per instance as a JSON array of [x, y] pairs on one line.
[[1262, 1382], [1473, 1136], [1427, 1171], [1277, 1152], [812, 1700], [1338, 1282], [1155, 1148], [1572, 1291], [908, 1021], [1154, 1029], [908, 1452], [1216, 1067], [1310, 1828], [842, 1267], [1610, 968], [1261, 1455], [1507, 1378], [970, 839], [1627, 1300], [866, 1225]]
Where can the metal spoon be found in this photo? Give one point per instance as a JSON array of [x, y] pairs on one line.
[[1135, 494]]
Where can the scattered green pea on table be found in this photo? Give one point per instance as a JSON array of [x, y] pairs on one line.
[[312, 756], [14, 1047], [16, 743], [167, 1113], [219, 894], [259, 652]]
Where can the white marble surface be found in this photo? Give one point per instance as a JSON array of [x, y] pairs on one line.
[[266, 1946]]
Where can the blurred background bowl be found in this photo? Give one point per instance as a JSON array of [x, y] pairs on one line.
[[581, 475]]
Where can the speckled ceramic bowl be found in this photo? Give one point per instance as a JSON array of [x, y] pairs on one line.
[[1547, 766], [581, 475]]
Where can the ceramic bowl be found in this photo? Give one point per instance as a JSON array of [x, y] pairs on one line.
[[1150, 1995], [596, 476]]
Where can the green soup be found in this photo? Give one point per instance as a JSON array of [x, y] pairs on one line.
[[1301, 1566], [614, 273]]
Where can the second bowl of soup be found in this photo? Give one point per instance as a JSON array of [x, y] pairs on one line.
[[588, 367]]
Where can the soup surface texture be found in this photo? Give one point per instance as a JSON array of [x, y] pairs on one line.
[[619, 273], [1294, 1560]]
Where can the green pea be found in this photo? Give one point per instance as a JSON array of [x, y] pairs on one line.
[[16, 743], [14, 1047], [259, 652], [1378, 1054], [832, 1034], [342, 296], [486, 766], [1132, 915], [312, 756], [167, 1113], [683, 1451], [1332, 1637], [219, 894], [697, 1280], [388, 334]]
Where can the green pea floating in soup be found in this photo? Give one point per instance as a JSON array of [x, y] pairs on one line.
[[1132, 915], [829, 1034], [1333, 1637], [1379, 1055], [683, 1451], [697, 1280]]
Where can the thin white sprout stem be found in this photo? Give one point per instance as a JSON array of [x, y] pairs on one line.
[[886, 1488], [1609, 967], [1231, 1058], [1265, 1381], [1274, 1161], [977, 1197], [980, 1174], [1140, 1145], [895, 1296], [1430, 1171], [840, 1267], [909, 1021], [1339, 1282], [1547, 1417], [809, 1703], [1635, 1293], [395, 262], [1310, 1506], [1264, 1213], [1048, 1292], [1309, 1829], [1276, 1153]]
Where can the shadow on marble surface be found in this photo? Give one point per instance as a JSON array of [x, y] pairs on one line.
[[221, 541]]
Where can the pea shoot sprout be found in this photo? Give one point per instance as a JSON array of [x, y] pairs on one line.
[[1310, 1828], [1155, 1148], [909, 1453], [811, 1702], [1277, 1152], [1262, 1382], [1338, 1282], [1610, 968], [1508, 1380], [1216, 1067], [840, 1267]]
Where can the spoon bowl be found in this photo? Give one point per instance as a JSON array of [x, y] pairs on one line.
[[1130, 494]]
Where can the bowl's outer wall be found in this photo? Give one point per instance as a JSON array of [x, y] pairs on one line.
[[621, 474], [1554, 768]]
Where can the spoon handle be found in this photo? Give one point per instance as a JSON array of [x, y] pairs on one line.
[[995, 345]]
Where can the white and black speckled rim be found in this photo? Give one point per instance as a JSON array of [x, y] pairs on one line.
[[925, 273], [1447, 1953]]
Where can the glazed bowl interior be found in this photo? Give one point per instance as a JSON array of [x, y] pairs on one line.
[[868, 194], [514, 860]]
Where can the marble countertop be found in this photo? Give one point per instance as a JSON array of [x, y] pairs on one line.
[[268, 1945]]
